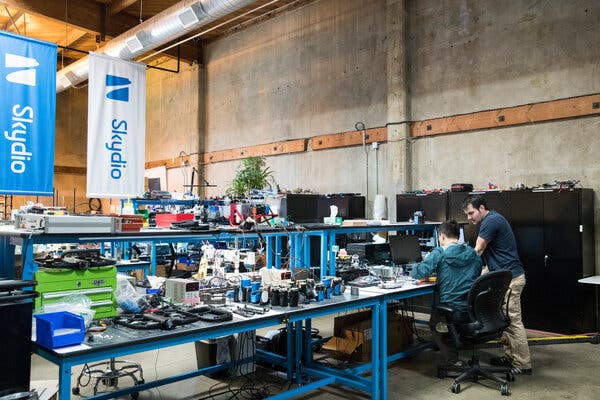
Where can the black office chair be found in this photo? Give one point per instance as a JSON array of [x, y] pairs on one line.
[[487, 320]]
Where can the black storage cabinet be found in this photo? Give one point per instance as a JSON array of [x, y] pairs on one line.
[[554, 230], [433, 205], [16, 308]]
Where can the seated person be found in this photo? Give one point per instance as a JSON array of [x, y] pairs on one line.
[[457, 266]]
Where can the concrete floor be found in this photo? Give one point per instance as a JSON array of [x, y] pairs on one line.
[[567, 371]]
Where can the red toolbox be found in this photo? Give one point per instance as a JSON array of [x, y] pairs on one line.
[[165, 220]]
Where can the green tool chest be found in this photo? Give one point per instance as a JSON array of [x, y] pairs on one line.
[[97, 283]]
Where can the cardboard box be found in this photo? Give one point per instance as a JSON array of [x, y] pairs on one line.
[[355, 222], [353, 335]]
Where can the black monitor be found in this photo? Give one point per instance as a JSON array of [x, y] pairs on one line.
[[405, 249]]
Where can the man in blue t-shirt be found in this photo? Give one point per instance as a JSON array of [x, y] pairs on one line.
[[497, 245]]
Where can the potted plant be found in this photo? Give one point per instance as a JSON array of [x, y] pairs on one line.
[[250, 174]]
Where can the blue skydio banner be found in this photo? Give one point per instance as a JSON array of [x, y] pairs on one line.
[[27, 115]]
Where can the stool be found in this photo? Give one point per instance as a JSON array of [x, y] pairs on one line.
[[107, 374]]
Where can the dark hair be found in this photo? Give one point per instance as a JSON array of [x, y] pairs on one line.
[[476, 200], [450, 228]]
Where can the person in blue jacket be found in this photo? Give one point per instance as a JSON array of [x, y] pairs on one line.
[[457, 266]]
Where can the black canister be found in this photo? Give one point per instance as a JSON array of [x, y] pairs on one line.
[[274, 295], [284, 297], [294, 295], [246, 294], [237, 294]]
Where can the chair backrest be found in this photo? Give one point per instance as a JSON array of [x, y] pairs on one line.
[[488, 318]]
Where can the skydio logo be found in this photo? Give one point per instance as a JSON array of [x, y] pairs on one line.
[[22, 117], [117, 90]]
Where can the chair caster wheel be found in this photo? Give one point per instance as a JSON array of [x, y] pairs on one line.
[[75, 391], [135, 395], [510, 377], [504, 389], [455, 388]]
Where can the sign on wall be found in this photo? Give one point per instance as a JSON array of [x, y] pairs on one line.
[[116, 127], [27, 115]]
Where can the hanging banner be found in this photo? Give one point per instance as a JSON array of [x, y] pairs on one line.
[[116, 127], [27, 115]]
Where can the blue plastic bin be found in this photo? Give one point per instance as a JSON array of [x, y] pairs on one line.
[[50, 329]]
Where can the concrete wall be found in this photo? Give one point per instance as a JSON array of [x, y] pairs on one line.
[[174, 118], [315, 70], [468, 56], [320, 68]]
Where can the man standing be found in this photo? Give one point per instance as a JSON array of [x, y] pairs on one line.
[[457, 267], [497, 245]]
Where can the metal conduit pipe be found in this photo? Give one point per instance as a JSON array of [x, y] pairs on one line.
[[170, 24]]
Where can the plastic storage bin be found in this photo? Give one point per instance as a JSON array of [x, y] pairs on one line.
[[59, 329]]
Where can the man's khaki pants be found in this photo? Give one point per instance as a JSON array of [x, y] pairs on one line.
[[514, 338]]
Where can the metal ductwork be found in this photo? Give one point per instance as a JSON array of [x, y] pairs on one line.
[[169, 25]]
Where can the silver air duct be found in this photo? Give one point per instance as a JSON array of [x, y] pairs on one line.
[[170, 24]]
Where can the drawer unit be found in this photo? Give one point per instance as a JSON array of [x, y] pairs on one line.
[[99, 284]]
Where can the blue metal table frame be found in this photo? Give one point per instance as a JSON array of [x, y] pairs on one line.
[[397, 227], [385, 297], [12, 238]]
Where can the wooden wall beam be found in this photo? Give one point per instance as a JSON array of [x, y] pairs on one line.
[[169, 163], [345, 139], [269, 149], [502, 117], [65, 169]]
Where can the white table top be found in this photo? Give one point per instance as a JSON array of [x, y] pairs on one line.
[[594, 280]]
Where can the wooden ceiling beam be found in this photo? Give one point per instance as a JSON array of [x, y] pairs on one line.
[[15, 17], [86, 15], [119, 5]]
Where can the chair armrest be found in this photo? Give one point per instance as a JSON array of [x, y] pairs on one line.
[[447, 312]]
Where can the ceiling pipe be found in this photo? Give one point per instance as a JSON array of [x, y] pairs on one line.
[[164, 27]]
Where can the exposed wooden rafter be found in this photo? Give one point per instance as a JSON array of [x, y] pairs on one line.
[[117, 6], [15, 17]]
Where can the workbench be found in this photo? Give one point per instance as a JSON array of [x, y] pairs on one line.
[[119, 341]]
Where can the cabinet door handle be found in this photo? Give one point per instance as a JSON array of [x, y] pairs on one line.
[[546, 260]]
